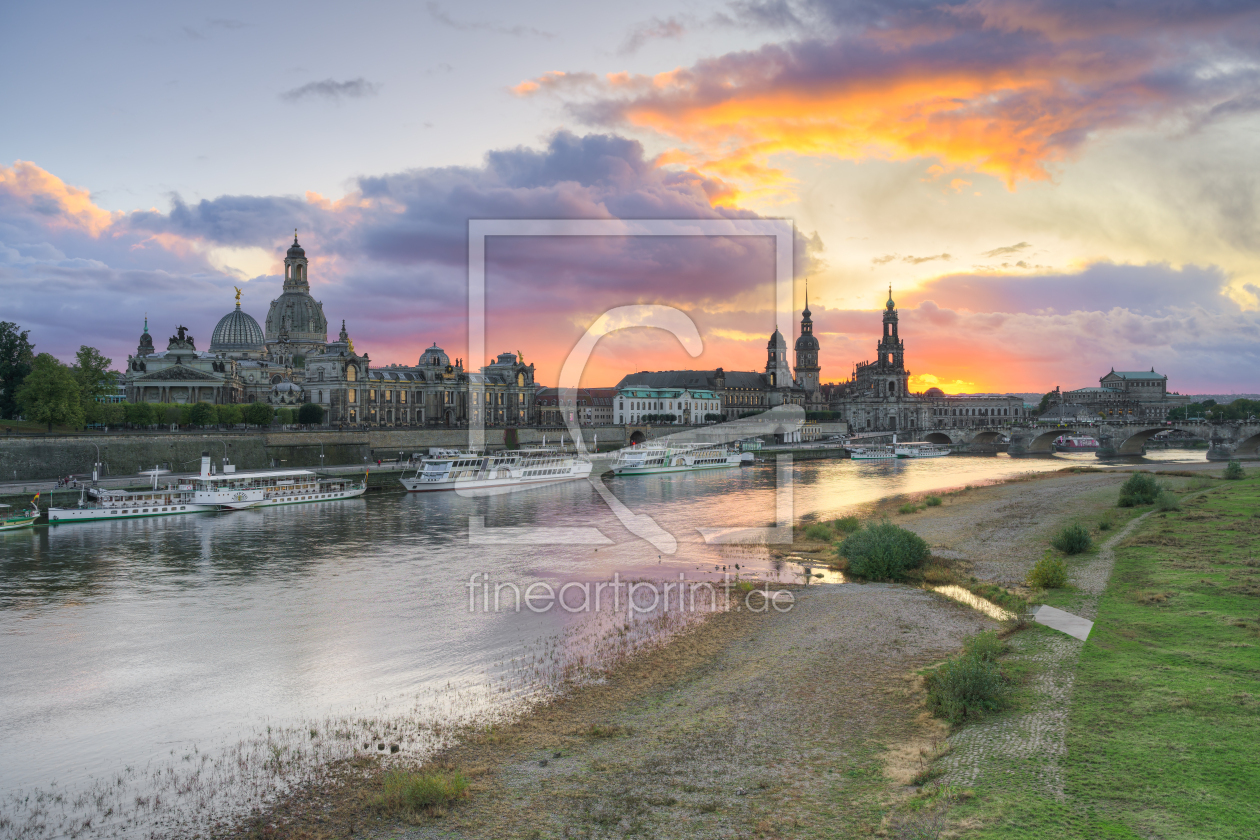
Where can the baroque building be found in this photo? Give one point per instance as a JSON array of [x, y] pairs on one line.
[[1133, 395], [291, 362]]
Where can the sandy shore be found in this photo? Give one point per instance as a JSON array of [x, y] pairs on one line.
[[798, 724]]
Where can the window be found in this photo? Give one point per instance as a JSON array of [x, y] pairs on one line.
[[402, 397], [352, 373], [372, 395], [350, 397], [389, 396]]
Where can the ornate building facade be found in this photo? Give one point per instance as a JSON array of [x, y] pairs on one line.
[[292, 362]]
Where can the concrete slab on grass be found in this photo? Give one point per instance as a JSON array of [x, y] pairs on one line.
[[1064, 622]]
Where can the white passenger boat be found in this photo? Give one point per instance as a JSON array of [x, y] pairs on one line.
[[509, 468], [210, 491], [872, 453], [13, 518], [680, 457], [920, 449]]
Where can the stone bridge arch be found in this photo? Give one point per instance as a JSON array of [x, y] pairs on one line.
[[1131, 440], [938, 437]]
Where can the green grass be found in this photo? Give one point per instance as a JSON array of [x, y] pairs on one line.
[[820, 532], [1165, 712], [405, 791]]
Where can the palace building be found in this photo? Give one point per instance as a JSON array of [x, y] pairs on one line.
[[292, 362]]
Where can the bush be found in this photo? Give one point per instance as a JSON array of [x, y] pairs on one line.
[[1104, 525], [847, 524], [820, 532], [932, 501], [883, 551], [966, 687], [1140, 489], [1074, 539], [986, 646], [1234, 470], [1049, 573], [414, 791], [908, 507], [1167, 501]]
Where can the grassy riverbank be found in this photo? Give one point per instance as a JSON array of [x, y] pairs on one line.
[[1161, 705], [813, 723]]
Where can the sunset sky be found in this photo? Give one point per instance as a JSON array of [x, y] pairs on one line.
[[1052, 188]]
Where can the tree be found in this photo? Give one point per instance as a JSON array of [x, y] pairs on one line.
[[16, 357], [311, 414], [111, 414], [91, 371], [229, 414], [284, 416], [140, 414], [510, 439], [202, 414], [49, 394], [258, 414], [1044, 405]]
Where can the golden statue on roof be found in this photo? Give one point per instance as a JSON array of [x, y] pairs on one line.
[[238, 295]]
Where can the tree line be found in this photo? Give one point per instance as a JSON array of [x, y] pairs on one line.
[[43, 389]]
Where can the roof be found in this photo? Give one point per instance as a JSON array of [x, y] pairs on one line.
[[745, 379], [1093, 390], [1136, 374]]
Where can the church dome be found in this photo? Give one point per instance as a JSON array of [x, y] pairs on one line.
[[296, 314], [806, 342], [776, 341], [934, 394], [296, 250], [435, 356], [237, 332]]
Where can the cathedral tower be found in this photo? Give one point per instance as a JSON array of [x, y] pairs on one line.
[[807, 368]]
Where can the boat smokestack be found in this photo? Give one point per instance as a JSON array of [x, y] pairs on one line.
[[205, 464]]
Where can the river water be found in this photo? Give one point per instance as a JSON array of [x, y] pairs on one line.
[[126, 643]]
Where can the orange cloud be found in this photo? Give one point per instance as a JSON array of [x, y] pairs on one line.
[[38, 189], [1007, 89]]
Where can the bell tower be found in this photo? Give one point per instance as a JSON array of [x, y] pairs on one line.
[[295, 278], [807, 367]]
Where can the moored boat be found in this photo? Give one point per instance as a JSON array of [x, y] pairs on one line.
[[651, 458], [920, 449], [509, 468], [872, 453], [210, 491], [1075, 443], [12, 518]]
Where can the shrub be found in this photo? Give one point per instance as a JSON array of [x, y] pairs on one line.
[[1074, 539], [1140, 489], [311, 414], [932, 501], [966, 687], [883, 551], [847, 524], [1049, 573], [1167, 501], [908, 507], [820, 532], [1234, 470], [986, 646], [1104, 525], [414, 791]]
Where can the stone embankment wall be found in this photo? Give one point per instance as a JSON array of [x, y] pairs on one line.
[[31, 458]]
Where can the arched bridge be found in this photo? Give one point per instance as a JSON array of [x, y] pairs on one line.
[[1240, 439]]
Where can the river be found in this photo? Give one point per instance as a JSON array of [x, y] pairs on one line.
[[127, 644]]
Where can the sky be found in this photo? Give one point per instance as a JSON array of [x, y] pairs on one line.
[[1051, 188]]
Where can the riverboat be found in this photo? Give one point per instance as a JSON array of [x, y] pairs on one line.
[[13, 518], [920, 449], [509, 468], [210, 491], [872, 453], [1075, 443], [683, 457]]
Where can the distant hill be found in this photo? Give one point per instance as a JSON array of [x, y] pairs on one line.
[[1222, 399]]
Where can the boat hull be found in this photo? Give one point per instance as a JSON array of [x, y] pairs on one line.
[[415, 485], [13, 523], [61, 516], [678, 469]]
